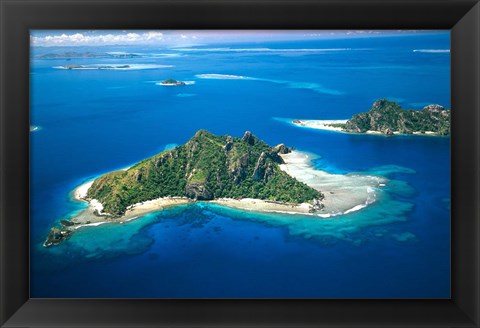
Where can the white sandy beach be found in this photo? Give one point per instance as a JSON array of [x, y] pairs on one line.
[[327, 125], [259, 205], [320, 124], [90, 216]]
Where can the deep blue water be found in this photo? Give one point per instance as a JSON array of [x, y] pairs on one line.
[[96, 121]]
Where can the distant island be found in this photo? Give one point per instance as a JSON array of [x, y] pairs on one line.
[[172, 82], [94, 66], [111, 67], [87, 54], [244, 173], [389, 118]]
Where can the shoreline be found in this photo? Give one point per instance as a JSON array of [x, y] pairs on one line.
[[89, 216], [326, 126], [343, 194], [263, 206]]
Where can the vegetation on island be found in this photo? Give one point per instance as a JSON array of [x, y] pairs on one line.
[[389, 117], [172, 82], [207, 167]]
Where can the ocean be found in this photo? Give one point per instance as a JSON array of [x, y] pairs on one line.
[[93, 121]]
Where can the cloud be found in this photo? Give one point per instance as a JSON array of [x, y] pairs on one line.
[[97, 39], [175, 38]]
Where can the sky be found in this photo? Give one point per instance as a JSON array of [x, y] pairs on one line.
[[181, 38]]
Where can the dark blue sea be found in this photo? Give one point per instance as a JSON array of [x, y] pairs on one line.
[[95, 121]]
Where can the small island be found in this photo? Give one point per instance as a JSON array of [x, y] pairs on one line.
[[172, 82], [389, 118], [244, 173]]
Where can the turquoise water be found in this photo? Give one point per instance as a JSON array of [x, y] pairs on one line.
[[96, 121]]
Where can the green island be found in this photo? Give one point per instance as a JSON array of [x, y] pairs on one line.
[[206, 168], [389, 118], [172, 82]]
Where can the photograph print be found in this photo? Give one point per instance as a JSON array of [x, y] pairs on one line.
[[240, 164]]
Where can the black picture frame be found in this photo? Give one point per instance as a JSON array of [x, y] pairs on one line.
[[17, 17]]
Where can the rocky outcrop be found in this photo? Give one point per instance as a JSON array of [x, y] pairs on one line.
[[281, 149], [239, 171], [264, 169], [138, 176], [434, 108], [249, 138], [276, 151], [388, 132], [316, 206], [228, 143], [56, 236], [260, 167], [198, 191]]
